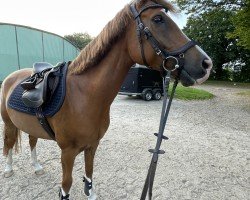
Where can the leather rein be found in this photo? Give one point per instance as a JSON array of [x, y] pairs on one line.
[[178, 56]]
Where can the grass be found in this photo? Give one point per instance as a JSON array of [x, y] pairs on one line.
[[189, 93], [244, 93]]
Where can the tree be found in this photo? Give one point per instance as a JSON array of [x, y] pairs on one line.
[[242, 26], [210, 29], [209, 22], [201, 6], [79, 39]]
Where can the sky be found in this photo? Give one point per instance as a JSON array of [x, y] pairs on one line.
[[65, 17]]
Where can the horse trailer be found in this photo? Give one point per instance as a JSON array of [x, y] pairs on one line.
[[144, 82]]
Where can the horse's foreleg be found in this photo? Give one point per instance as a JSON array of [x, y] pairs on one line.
[[67, 159], [89, 155], [38, 168]]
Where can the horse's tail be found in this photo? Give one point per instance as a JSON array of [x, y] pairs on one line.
[[12, 139], [18, 145], [11, 134]]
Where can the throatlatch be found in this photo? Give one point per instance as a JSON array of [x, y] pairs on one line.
[[148, 186]]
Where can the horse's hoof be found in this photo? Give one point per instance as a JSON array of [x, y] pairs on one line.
[[38, 169], [8, 174], [39, 172], [92, 197]]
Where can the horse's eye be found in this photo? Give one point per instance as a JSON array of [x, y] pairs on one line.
[[158, 19]]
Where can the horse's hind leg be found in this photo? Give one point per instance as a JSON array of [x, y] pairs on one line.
[[89, 155], [38, 168], [11, 134]]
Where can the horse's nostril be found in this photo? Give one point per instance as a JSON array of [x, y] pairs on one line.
[[207, 63], [204, 64]]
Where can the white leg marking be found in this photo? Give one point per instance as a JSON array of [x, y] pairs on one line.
[[92, 195], [38, 168], [8, 171], [63, 193]]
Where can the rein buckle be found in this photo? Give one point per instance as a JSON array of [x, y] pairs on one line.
[[182, 55], [141, 26], [158, 52]]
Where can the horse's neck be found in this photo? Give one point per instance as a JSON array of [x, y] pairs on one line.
[[107, 77], [113, 70]]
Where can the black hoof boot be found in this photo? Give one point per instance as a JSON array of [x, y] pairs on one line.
[[87, 186], [61, 197]]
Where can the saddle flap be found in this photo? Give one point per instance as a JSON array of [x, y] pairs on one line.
[[34, 98]]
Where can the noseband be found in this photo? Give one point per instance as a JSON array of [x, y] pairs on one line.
[[177, 55]]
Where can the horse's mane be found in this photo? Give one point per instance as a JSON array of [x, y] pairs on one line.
[[98, 48]]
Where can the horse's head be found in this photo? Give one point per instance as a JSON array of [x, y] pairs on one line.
[[161, 44]]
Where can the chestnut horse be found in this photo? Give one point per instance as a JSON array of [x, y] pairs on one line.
[[93, 81]]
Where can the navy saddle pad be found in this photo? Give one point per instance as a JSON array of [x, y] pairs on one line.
[[49, 108]]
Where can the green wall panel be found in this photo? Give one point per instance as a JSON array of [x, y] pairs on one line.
[[30, 46], [21, 45], [8, 51], [53, 48], [70, 52]]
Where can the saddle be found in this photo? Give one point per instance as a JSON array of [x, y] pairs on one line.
[[40, 87]]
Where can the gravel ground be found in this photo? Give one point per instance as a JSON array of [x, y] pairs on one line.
[[207, 156]]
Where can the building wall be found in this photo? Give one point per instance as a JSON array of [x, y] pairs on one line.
[[21, 46]]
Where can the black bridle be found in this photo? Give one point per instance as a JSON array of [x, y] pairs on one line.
[[142, 30], [178, 56]]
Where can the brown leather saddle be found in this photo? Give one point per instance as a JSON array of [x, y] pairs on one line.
[[40, 87]]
